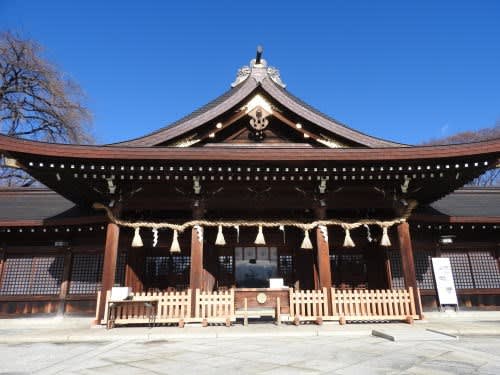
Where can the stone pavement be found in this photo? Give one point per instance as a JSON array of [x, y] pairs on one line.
[[69, 345], [272, 355]]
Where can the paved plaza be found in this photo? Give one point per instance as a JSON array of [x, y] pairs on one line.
[[271, 355], [70, 346]]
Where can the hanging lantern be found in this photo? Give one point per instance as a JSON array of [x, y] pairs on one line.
[[155, 237], [220, 237], [260, 240], [348, 242], [137, 240], [306, 242], [175, 247], [385, 237]]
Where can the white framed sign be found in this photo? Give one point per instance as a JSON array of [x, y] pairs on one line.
[[444, 281]]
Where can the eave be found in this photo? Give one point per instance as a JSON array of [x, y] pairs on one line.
[[9, 145]]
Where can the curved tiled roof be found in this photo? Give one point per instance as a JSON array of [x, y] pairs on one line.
[[469, 202], [39, 206], [197, 118], [235, 97]]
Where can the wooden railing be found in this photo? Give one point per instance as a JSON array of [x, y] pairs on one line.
[[150, 308], [308, 305], [373, 305], [215, 307], [173, 307], [305, 305]]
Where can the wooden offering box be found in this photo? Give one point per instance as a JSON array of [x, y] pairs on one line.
[[262, 301]]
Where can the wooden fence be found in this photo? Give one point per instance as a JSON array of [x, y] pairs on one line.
[[373, 305], [309, 305], [150, 308], [219, 307], [215, 307], [172, 307]]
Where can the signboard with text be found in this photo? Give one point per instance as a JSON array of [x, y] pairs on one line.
[[444, 281]]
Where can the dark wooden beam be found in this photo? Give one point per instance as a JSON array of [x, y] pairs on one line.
[[408, 263], [109, 267]]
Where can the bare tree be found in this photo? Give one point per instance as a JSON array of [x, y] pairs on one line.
[[492, 176], [36, 100]]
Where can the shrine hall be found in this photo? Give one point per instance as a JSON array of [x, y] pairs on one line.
[[256, 199]]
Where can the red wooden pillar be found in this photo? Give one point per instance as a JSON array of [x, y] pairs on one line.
[[323, 259], [323, 254], [109, 267], [196, 271], [408, 264], [3, 256], [132, 273], [65, 283]]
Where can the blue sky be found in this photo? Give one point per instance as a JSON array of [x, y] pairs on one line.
[[402, 70]]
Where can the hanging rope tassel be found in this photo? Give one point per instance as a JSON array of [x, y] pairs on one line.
[[199, 232], [368, 233], [385, 237], [348, 242], [175, 248], [155, 237], [220, 240], [237, 227], [260, 240], [137, 240], [282, 228], [324, 232], [306, 242]]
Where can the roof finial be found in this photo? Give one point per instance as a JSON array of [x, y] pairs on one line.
[[258, 56], [258, 70]]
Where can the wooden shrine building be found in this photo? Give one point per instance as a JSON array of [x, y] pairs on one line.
[[255, 185]]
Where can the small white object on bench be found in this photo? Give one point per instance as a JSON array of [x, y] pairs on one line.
[[276, 283], [120, 293]]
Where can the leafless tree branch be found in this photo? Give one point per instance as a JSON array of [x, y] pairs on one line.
[[37, 101], [490, 177]]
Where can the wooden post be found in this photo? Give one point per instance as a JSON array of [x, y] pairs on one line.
[[65, 283], [323, 254], [408, 264], [3, 256], [109, 267], [196, 271], [132, 273]]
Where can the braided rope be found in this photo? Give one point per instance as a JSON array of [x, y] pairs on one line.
[[251, 223]]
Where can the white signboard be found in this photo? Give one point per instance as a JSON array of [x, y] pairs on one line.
[[444, 281]]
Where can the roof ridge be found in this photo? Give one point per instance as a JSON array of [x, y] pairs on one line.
[[191, 115], [330, 118]]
